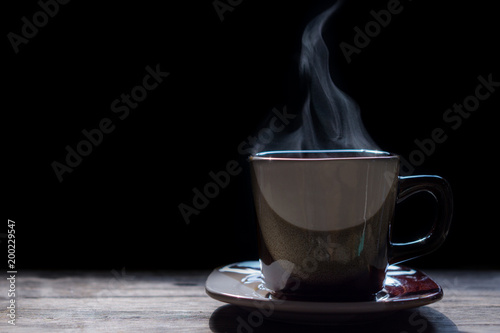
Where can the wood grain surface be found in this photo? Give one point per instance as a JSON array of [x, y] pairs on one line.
[[122, 301]]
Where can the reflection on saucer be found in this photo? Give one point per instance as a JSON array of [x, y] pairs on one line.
[[241, 284]]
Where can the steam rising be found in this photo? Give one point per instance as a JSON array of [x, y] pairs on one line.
[[329, 118]]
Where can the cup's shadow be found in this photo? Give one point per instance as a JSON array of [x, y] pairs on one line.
[[231, 318]]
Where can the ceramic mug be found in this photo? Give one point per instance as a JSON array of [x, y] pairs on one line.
[[324, 221]]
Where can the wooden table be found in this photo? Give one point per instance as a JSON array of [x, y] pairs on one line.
[[122, 301]]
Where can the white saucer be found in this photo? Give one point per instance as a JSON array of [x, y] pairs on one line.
[[241, 284]]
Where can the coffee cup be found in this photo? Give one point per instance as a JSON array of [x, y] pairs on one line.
[[324, 221]]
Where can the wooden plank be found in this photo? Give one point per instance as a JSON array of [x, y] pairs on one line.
[[120, 301], [471, 299]]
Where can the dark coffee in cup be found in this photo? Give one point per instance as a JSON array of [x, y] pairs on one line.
[[324, 221]]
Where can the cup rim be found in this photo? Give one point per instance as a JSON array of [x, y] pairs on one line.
[[342, 154]]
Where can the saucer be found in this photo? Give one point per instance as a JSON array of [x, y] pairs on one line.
[[241, 284]]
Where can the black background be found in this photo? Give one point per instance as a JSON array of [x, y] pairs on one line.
[[119, 207]]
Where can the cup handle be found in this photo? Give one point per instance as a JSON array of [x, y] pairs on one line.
[[440, 189]]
